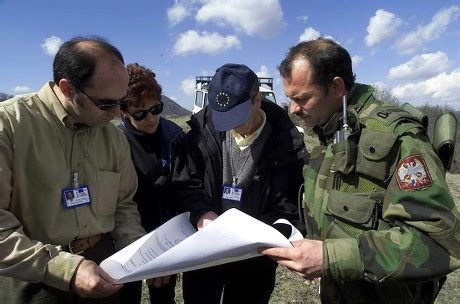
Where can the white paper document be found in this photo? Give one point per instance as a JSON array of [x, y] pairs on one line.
[[177, 246]]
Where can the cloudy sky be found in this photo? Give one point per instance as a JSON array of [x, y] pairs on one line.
[[410, 47]]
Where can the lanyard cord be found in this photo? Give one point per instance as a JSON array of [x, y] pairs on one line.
[[236, 173], [74, 174]]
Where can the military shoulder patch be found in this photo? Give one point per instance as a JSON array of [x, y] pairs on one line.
[[412, 173]]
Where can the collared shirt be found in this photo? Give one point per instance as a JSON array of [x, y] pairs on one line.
[[246, 141], [40, 148]]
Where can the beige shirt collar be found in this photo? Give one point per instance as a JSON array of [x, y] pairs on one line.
[[244, 142], [54, 105]]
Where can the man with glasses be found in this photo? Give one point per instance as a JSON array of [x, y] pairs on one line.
[[104, 104], [58, 143]]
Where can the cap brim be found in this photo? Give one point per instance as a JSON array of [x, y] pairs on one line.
[[235, 117]]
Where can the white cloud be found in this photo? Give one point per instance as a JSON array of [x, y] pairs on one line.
[[439, 90], [421, 66], [177, 13], [192, 42], [356, 60], [311, 34], [263, 72], [383, 25], [22, 89], [380, 85], [412, 41], [51, 45], [303, 18], [254, 17], [187, 86]]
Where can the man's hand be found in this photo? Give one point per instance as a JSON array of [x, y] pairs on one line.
[[90, 281], [305, 258], [205, 219], [157, 282]]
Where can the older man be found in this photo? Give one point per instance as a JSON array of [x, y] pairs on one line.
[[59, 143], [249, 156]]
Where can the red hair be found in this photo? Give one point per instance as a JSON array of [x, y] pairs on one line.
[[142, 83]]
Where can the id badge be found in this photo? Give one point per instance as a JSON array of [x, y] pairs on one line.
[[233, 194], [72, 198], [231, 198]]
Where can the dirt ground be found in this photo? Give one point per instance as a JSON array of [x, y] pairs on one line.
[[450, 293]]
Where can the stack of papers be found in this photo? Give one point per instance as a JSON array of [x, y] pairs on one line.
[[177, 246]]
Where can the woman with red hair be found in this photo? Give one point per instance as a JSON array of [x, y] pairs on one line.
[[155, 144]]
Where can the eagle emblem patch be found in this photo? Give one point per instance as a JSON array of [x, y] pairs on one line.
[[412, 174]]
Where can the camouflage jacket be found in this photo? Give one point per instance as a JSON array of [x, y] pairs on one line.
[[382, 206]]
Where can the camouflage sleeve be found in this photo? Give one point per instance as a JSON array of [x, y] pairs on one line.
[[423, 238]]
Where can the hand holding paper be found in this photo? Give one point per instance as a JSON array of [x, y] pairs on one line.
[[176, 246], [305, 257]]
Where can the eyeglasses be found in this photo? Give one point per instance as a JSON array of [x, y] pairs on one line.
[[105, 104], [142, 114]]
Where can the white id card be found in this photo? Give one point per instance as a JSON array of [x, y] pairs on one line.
[[72, 198], [233, 194]]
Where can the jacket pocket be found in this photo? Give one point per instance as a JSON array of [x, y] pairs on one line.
[[344, 156], [377, 154], [107, 192], [354, 212]]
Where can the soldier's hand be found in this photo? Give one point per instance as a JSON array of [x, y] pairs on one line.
[[305, 258], [158, 282], [205, 219], [90, 281]]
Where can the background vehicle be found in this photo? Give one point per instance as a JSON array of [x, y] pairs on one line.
[[201, 91]]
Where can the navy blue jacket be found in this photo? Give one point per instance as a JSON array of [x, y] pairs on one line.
[[278, 177], [164, 186]]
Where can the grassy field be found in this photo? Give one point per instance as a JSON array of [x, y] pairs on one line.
[[290, 288]]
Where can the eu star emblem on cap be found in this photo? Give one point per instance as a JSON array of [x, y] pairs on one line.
[[230, 95], [222, 99]]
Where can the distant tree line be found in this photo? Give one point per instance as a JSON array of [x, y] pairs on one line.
[[432, 111]]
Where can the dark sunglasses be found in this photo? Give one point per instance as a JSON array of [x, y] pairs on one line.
[[142, 114], [105, 104]]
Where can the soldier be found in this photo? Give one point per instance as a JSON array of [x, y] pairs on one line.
[[381, 222]]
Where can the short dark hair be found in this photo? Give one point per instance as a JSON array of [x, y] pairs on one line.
[[76, 59], [327, 59], [141, 82]]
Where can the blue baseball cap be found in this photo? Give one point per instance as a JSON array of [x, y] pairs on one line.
[[229, 95]]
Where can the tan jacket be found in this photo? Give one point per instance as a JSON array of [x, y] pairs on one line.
[[39, 148]]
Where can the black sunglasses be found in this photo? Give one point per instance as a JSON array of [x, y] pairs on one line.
[[142, 114], [105, 104]]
